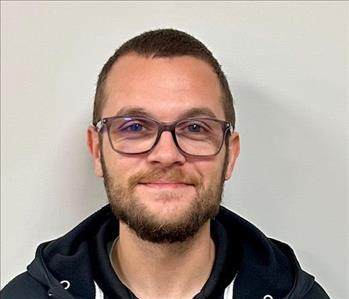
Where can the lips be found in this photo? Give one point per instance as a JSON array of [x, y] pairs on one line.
[[166, 184]]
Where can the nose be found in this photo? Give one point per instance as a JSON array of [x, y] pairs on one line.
[[166, 152]]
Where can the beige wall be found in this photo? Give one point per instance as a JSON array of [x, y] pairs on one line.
[[287, 63]]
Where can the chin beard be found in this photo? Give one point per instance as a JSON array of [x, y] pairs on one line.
[[129, 209], [149, 227]]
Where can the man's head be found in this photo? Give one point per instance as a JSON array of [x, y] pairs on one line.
[[163, 194]]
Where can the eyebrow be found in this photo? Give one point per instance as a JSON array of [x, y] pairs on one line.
[[193, 112]]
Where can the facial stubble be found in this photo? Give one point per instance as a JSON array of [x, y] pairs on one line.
[[129, 208]]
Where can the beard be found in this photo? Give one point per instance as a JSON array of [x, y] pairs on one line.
[[129, 208]]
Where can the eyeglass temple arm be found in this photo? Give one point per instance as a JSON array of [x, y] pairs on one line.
[[99, 125]]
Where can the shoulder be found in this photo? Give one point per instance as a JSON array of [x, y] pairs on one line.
[[23, 287], [316, 292]]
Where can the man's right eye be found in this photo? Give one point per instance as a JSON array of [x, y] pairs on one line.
[[134, 127]]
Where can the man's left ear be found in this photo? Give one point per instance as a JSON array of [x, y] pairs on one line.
[[233, 153]]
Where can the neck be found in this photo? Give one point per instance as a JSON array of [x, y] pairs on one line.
[[150, 270]]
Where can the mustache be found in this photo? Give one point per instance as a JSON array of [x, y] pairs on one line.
[[173, 174]]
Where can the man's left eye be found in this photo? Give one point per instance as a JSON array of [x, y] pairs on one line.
[[195, 128]]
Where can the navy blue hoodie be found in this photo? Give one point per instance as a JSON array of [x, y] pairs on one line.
[[248, 265]]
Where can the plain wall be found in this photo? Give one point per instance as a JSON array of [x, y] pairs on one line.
[[287, 63]]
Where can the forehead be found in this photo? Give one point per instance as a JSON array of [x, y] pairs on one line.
[[163, 87]]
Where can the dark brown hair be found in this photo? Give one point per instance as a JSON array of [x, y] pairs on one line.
[[164, 43]]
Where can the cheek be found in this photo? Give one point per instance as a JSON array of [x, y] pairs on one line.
[[121, 167], [210, 172]]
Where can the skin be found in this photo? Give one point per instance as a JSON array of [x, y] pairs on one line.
[[166, 89]]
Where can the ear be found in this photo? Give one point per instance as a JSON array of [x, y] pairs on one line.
[[94, 148], [233, 153]]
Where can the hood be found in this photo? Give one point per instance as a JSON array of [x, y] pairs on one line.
[[266, 266], [68, 259]]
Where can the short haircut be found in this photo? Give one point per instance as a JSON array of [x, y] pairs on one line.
[[164, 43]]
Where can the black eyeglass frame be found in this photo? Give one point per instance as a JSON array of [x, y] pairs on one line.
[[105, 123]]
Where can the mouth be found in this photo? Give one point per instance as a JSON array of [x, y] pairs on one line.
[[166, 184]]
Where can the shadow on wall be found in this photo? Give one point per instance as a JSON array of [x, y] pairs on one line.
[[81, 192], [290, 154], [290, 178]]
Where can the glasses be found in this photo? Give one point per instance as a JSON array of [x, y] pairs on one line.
[[132, 135]]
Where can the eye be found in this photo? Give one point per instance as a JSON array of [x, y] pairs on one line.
[[195, 128], [135, 127], [132, 126]]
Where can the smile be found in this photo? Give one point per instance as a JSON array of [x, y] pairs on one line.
[[165, 185]]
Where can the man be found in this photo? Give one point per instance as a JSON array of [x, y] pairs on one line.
[[163, 139]]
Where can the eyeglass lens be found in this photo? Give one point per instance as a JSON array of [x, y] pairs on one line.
[[133, 135]]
